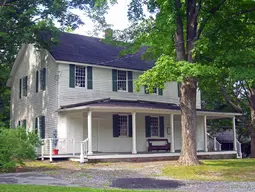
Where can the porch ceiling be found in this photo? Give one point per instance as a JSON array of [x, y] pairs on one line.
[[127, 106]]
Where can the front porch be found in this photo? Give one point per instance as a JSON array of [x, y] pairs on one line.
[[121, 131], [140, 157]]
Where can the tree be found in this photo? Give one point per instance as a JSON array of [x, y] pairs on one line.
[[237, 93], [34, 21], [178, 35], [16, 145]]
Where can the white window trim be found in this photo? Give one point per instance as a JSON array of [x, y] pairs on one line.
[[122, 80], [86, 77], [125, 136], [158, 127]]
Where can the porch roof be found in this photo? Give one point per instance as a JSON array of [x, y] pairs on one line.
[[113, 105]]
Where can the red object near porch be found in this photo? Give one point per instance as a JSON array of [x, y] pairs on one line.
[[55, 151]]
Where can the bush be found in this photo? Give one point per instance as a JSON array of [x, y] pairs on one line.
[[16, 145]]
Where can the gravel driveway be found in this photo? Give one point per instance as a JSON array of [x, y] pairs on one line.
[[120, 175]]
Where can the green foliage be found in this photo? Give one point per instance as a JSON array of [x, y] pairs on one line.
[[33, 21], [16, 145]]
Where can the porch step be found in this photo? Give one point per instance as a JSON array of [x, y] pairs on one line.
[[76, 159]]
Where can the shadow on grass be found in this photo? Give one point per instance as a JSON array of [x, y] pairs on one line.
[[145, 183]]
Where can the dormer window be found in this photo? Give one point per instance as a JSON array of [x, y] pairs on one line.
[[122, 80], [80, 76]]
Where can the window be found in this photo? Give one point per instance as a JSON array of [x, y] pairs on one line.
[[80, 76], [25, 86], [155, 91], [154, 125], [123, 125], [122, 80]]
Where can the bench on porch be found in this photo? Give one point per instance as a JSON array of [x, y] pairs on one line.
[[164, 144]]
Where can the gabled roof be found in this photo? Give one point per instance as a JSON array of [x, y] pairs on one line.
[[91, 50]]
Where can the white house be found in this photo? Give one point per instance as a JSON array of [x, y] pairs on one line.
[[80, 97]]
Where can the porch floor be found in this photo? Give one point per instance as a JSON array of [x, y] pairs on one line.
[[109, 156]]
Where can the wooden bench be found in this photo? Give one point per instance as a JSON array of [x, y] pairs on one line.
[[151, 145]]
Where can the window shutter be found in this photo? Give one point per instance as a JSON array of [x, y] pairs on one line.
[[25, 86], [130, 126], [160, 91], [42, 127], [90, 77], [71, 75], [179, 89], [145, 89], [147, 126], [130, 81], [36, 125], [114, 80], [24, 123], [20, 88], [37, 81], [115, 128], [43, 74], [161, 127]]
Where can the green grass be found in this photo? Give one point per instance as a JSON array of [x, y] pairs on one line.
[[36, 188], [215, 170]]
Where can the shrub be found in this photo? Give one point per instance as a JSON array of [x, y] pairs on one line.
[[16, 145]]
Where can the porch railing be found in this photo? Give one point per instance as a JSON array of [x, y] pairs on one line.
[[64, 146], [84, 150], [216, 144], [239, 149]]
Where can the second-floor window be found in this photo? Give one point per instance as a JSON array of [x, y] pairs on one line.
[[40, 77], [23, 87], [156, 91], [80, 76], [122, 80]]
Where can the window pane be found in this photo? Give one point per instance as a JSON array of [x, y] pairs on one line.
[[123, 125], [80, 76], [155, 90], [122, 80], [154, 126]]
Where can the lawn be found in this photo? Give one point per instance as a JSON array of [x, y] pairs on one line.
[[215, 170], [36, 188]]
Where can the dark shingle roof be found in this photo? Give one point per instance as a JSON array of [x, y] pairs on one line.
[[91, 50]]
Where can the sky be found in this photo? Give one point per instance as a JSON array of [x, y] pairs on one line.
[[117, 16]]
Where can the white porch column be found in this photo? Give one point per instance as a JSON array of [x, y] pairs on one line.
[[172, 133], [205, 135], [234, 134], [134, 151], [90, 133]]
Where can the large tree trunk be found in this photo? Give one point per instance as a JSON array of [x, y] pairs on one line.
[[252, 127], [188, 155], [188, 123]]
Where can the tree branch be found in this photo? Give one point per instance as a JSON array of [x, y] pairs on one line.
[[212, 11], [228, 100], [246, 94]]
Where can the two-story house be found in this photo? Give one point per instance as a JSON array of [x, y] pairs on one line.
[[80, 98]]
